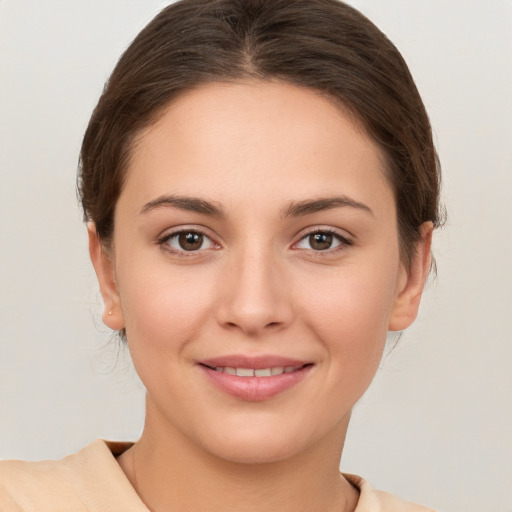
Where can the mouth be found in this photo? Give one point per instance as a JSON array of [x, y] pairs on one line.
[[257, 372], [252, 379]]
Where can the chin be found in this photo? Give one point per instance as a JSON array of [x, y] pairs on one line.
[[257, 443], [254, 452]]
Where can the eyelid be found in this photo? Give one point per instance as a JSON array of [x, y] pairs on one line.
[[173, 232], [343, 237]]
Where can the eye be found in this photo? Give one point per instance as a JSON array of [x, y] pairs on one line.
[[188, 241], [322, 241]]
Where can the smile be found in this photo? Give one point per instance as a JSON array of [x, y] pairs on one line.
[[260, 372], [254, 379]]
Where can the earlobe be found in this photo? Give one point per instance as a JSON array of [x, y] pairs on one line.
[[407, 302], [105, 272]]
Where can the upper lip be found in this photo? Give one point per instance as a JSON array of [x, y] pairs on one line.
[[256, 362]]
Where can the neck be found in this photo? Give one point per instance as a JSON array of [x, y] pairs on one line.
[[170, 473]]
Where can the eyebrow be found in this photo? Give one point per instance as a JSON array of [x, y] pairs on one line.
[[213, 209], [299, 208], [192, 204]]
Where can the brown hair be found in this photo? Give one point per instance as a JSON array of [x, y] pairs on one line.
[[325, 45]]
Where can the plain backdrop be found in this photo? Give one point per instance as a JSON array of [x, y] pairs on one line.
[[435, 427]]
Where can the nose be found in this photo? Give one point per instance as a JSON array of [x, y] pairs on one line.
[[255, 296]]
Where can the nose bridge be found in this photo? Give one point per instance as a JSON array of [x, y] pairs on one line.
[[255, 297]]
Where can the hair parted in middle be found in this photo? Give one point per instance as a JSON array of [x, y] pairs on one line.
[[324, 45]]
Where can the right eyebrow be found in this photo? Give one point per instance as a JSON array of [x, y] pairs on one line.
[[297, 209], [193, 204]]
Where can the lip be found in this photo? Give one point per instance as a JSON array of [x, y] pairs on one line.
[[257, 362], [254, 389]]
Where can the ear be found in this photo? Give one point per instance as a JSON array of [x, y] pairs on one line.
[[411, 282], [104, 267]]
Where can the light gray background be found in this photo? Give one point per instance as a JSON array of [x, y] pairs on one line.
[[435, 426]]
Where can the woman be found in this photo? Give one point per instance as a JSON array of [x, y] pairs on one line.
[[260, 188]]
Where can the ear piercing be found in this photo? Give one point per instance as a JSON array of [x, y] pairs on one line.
[[110, 313]]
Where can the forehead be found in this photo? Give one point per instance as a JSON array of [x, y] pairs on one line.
[[258, 139]]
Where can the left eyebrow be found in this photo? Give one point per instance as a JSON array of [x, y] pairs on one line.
[[299, 208], [192, 204]]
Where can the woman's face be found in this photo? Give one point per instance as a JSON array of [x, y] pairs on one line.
[[256, 234]]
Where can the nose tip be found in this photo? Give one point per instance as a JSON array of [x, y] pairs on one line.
[[251, 324], [254, 299]]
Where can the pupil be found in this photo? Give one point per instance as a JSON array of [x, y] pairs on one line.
[[320, 241], [191, 241]]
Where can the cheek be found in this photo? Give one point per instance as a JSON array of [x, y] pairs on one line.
[[352, 300], [162, 307], [350, 316]]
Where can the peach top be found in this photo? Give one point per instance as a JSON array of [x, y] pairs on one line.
[[92, 481]]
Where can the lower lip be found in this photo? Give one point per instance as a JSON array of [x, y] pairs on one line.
[[254, 389]]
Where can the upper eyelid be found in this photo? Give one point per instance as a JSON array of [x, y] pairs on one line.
[[163, 239], [342, 233], [170, 232], [345, 241]]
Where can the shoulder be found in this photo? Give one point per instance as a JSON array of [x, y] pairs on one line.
[[372, 500], [23, 484], [88, 481]]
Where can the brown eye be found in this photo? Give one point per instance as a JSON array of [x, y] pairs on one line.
[[320, 241], [190, 241]]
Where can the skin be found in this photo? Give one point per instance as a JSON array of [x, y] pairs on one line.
[[258, 285]]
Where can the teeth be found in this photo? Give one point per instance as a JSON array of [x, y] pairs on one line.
[[265, 372], [245, 372], [262, 372]]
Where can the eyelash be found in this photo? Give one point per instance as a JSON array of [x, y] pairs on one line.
[[344, 242], [164, 242]]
